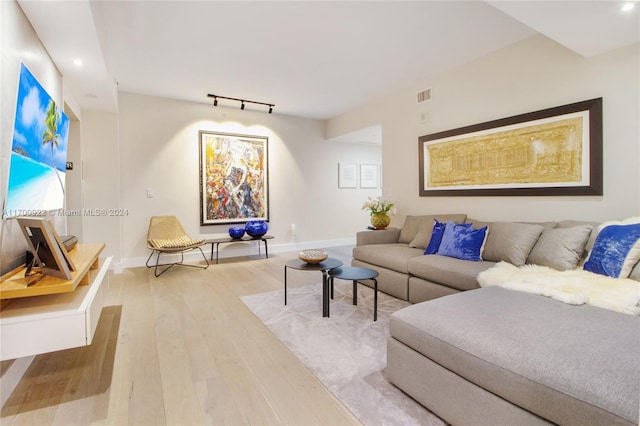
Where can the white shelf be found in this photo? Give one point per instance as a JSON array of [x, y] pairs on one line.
[[41, 324]]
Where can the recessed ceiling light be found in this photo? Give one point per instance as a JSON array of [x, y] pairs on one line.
[[77, 62], [628, 7]]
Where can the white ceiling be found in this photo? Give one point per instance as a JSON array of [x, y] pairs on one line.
[[310, 59]]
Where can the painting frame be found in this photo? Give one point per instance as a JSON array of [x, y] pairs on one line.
[[347, 175], [591, 182], [368, 176], [233, 177]]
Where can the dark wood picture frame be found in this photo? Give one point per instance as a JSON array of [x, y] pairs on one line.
[[591, 149]]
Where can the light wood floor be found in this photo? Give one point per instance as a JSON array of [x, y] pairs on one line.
[[181, 349]]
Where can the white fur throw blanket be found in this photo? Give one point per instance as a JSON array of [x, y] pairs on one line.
[[575, 287]]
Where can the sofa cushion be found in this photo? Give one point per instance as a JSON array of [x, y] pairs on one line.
[[409, 229], [574, 223], [546, 225], [449, 271], [425, 227], [511, 241], [560, 248], [436, 237], [635, 272], [616, 250], [463, 241], [390, 256], [559, 361]]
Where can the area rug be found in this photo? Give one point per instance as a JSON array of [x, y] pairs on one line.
[[346, 352]]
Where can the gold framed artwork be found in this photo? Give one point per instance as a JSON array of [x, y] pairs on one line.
[[556, 151], [234, 178]]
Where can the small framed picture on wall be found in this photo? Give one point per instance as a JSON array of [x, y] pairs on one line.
[[347, 175], [368, 176]]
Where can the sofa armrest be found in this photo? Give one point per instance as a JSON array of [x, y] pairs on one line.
[[383, 236]]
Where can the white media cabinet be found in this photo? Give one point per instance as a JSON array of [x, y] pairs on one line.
[[53, 314]]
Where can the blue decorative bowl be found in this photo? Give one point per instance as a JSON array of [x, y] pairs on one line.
[[256, 228], [236, 233]]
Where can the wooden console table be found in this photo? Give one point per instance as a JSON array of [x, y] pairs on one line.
[[83, 256], [225, 240], [53, 314]]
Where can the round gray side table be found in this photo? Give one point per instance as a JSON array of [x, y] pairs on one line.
[[324, 266], [355, 274]]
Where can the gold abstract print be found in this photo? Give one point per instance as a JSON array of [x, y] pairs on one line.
[[542, 153]]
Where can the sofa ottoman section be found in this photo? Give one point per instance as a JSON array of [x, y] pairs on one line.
[[448, 395], [543, 356]]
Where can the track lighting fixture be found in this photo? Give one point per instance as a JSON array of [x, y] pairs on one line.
[[242, 102]]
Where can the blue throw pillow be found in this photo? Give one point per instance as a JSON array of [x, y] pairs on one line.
[[615, 251], [462, 241], [436, 236]]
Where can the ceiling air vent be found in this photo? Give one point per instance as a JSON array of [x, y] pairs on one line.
[[425, 95]]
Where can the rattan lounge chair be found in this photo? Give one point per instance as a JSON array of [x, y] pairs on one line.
[[166, 235]]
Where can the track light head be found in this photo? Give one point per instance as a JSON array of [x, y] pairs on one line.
[[215, 101], [270, 109], [242, 106]]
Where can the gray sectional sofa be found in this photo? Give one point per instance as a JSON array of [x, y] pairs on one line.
[[408, 274], [493, 356]]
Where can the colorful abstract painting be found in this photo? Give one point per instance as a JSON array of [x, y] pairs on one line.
[[234, 184]]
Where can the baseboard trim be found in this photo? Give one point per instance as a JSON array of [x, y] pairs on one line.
[[235, 250]]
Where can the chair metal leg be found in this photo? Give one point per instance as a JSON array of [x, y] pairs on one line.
[[148, 259], [204, 257], [169, 265]]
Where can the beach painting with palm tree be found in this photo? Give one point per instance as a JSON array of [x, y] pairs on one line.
[[38, 153]]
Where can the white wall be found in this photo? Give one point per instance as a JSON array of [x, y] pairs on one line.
[[19, 44], [101, 181], [530, 75], [157, 149], [73, 181]]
